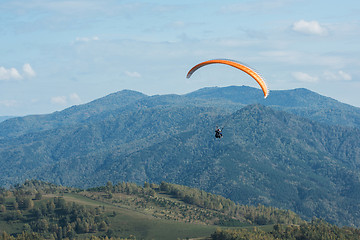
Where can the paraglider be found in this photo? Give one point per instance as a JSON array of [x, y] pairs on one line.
[[218, 133], [237, 65]]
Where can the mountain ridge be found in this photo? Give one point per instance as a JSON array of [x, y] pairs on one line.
[[228, 99], [299, 101], [78, 114], [267, 156]]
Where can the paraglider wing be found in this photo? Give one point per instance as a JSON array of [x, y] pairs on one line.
[[237, 65]]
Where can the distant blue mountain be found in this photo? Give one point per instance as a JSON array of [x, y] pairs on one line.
[[296, 149], [3, 118], [300, 101]]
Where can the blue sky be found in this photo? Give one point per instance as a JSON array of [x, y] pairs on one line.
[[55, 54]]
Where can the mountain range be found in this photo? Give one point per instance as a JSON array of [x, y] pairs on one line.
[[294, 150], [3, 118]]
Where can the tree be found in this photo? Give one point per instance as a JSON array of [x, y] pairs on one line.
[[15, 205], [103, 226], [109, 186], [2, 208], [13, 215], [50, 207], [26, 228], [38, 196], [24, 202]]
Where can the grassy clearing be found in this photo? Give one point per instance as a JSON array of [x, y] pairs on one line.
[[129, 222], [10, 227]]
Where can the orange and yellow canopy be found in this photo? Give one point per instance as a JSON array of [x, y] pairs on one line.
[[237, 65]]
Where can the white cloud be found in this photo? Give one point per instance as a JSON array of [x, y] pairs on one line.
[[74, 98], [9, 74], [133, 74], [344, 75], [233, 42], [64, 100], [28, 71], [178, 24], [254, 6], [304, 77], [337, 76], [61, 100], [13, 73], [78, 8], [86, 39], [311, 28], [8, 103]]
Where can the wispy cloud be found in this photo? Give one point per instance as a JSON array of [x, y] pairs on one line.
[[255, 6], [133, 74], [8, 103], [309, 27], [284, 56], [72, 8], [73, 98], [337, 76], [60, 100], [327, 75], [86, 39], [304, 77], [178, 24]]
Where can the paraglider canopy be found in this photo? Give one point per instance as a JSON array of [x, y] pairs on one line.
[[237, 65]]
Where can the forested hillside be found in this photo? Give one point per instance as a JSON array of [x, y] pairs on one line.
[[3, 118], [317, 229], [300, 101], [125, 210], [68, 117], [267, 156], [39, 210]]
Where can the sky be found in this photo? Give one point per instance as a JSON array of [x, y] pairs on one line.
[[56, 54]]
